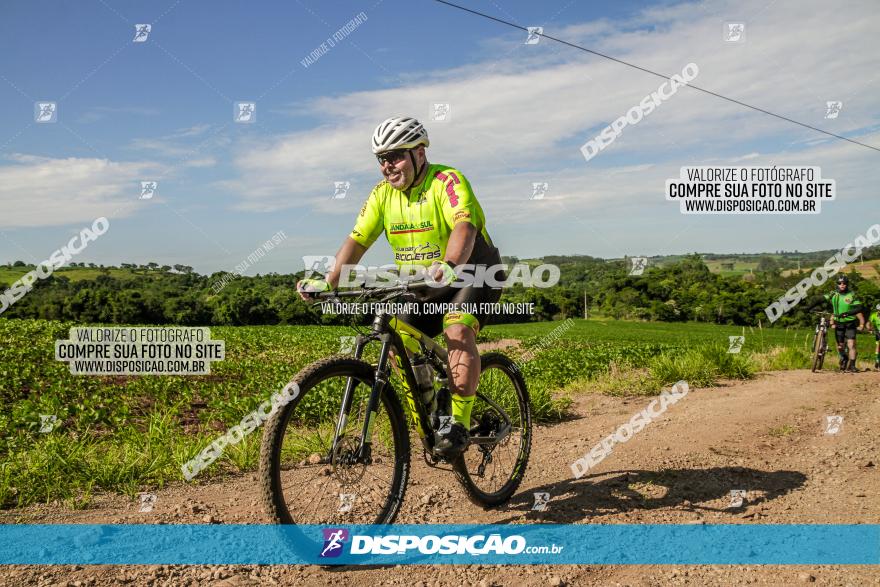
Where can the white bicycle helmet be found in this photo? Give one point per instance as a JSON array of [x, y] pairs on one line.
[[399, 132]]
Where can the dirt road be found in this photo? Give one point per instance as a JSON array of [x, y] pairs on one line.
[[767, 437]]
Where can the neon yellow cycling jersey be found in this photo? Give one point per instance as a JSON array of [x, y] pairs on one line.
[[418, 226]]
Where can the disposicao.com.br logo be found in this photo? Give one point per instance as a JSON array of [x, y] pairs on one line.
[[448, 544], [334, 538]]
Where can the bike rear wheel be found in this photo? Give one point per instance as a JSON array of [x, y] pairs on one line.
[[303, 481], [491, 469]]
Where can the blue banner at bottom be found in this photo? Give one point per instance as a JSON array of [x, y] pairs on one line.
[[445, 544]]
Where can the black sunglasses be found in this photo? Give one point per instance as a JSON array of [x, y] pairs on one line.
[[392, 157]]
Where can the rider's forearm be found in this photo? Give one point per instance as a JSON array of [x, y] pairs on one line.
[[349, 253], [461, 243]]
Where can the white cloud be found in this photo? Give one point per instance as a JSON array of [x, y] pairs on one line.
[[186, 146], [201, 162], [42, 191], [519, 114]]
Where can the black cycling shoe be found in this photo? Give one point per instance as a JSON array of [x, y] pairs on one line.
[[452, 441], [851, 368]]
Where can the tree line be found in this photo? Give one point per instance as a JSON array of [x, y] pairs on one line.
[[683, 290]]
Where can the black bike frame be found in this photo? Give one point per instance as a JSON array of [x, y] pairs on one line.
[[386, 329]]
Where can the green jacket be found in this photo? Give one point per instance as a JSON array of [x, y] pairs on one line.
[[845, 307]]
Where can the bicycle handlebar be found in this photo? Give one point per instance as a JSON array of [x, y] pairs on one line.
[[374, 291]]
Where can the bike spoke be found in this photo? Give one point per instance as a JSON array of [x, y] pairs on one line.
[[314, 492], [496, 385]]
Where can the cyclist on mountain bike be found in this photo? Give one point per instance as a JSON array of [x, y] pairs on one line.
[[432, 219], [874, 322], [846, 319]]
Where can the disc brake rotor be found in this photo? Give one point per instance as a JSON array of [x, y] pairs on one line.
[[345, 467]]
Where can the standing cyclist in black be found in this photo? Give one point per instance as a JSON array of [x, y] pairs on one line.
[[846, 319]]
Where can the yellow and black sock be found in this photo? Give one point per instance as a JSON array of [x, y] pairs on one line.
[[461, 409]]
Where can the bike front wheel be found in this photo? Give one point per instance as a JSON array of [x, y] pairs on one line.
[[304, 480], [493, 466], [819, 348]]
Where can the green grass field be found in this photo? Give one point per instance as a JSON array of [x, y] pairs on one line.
[[129, 434], [675, 333], [723, 266], [869, 270], [9, 275]]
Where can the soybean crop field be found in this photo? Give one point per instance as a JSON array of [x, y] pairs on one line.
[[131, 433]]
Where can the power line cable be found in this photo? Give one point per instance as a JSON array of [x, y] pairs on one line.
[[666, 77]]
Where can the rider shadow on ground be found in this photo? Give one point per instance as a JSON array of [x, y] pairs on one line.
[[614, 492]]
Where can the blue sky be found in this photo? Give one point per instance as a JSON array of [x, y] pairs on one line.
[[163, 110]]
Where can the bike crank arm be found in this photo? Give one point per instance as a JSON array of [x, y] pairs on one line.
[[492, 440]]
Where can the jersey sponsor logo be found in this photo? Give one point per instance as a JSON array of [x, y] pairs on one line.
[[461, 215], [364, 209], [417, 256], [422, 247], [408, 227], [443, 177], [423, 252], [453, 197], [450, 187]]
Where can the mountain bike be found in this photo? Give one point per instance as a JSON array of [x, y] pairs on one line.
[[339, 453], [820, 342]]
